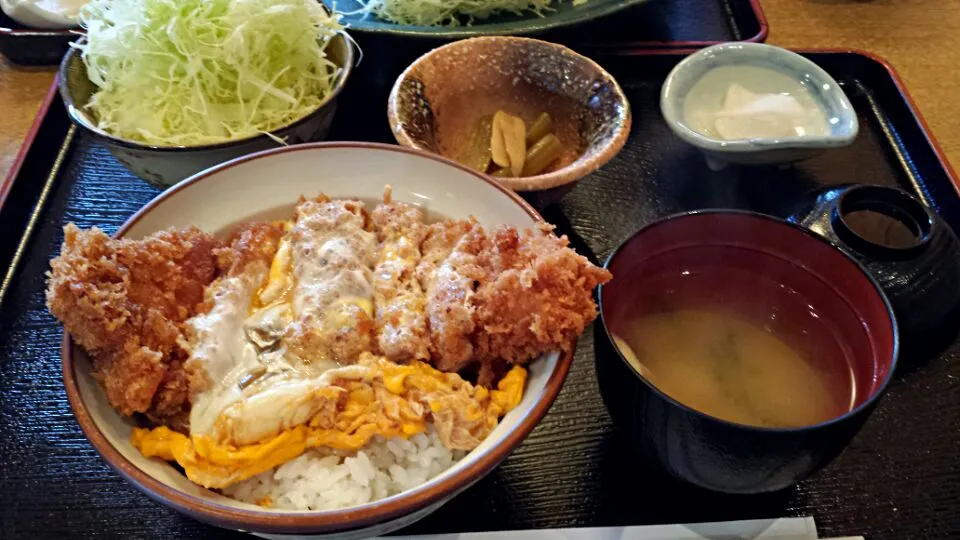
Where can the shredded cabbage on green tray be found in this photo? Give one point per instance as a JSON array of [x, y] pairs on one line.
[[192, 72], [450, 12]]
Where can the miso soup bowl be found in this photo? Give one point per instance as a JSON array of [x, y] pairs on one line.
[[777, 276]]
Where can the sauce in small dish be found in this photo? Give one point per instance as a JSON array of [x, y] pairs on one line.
[[747, 102]]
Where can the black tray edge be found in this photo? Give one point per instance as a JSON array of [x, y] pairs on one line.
[[676, 47], [914, 109], [46, 126], [27, 144], [22, 201], [901, 86]]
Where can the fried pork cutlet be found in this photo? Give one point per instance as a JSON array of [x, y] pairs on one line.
[[332, 260], [254, 242], [449, 274], [124, 301], [506, 298], [539, 296], [398, 297]]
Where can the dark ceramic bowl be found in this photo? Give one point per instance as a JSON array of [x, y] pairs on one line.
[[778, 276], [438, 101], [164, 166]]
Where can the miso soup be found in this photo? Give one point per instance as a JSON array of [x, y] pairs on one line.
[[728, 368]]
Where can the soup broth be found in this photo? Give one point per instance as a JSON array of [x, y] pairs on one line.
[[726, 367]]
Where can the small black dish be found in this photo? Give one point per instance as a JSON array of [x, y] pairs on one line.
[[911, 251], [33, 46], [763, 269]]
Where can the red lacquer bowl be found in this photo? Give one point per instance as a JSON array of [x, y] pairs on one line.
[[779, 276]]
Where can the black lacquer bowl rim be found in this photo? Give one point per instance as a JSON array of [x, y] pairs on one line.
[[855, 241], [856, 411]]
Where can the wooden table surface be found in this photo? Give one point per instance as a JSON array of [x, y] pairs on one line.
[[919, 37]]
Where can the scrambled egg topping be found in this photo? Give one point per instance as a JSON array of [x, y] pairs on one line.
[[389, 400], [279, 283]]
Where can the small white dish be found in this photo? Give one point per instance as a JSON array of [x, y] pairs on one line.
[[267, 185], [841, 118], [43, 14]]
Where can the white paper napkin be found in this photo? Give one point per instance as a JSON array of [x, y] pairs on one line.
[[767, 529]]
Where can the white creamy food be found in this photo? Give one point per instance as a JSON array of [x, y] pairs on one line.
[[278, 333], [750, 102], [255, 393], [46, 14]]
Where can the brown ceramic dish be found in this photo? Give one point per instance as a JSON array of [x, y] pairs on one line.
[[357, 170], [438, 101]]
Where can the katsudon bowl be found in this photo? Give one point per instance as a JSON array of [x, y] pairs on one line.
[[266, 186]]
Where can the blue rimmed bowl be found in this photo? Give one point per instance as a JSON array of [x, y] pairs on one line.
[[824, 90]]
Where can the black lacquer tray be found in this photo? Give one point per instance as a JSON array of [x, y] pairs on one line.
[[32, 46], [899, 479], [663, 23]]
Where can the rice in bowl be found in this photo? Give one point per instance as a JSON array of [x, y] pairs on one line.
[[323, 480]]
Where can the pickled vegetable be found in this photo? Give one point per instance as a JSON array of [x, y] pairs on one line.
[[508, 142], [477, 154], [541, 155], [504, 147], [515, 140], [539, 129], [498, 148]]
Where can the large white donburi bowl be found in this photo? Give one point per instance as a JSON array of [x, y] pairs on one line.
[[267, 185]]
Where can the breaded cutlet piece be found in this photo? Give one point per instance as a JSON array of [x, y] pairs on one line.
[[333, 255], [124, 301], [256, 241], [538, 297], [400, 302], [449, 273]]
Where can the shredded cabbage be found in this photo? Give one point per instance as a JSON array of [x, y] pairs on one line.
[[192, 72], [450, 12]]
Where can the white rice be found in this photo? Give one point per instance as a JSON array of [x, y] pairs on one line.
[[325, 480]]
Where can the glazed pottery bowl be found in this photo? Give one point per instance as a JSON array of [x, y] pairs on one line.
[[164, 166], [438, 102], [911, 251], [266, 186], [778, 276], [825, 91]]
